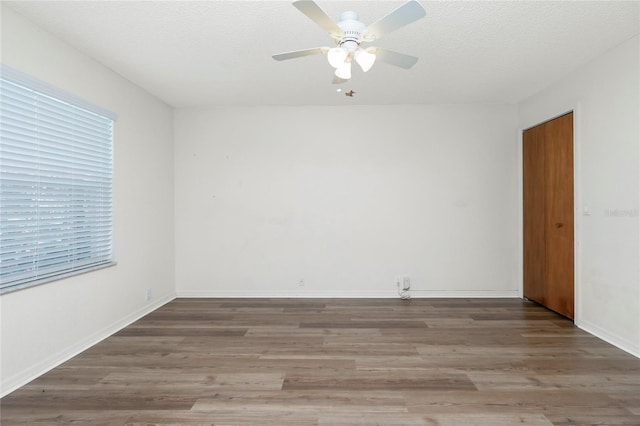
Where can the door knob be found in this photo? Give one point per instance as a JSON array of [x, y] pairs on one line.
[[559, 225]]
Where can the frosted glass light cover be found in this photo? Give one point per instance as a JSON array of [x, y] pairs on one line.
[[336, 56], [365, 59], [344, 71]]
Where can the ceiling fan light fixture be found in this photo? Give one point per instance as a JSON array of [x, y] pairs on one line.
[[364, 59], [337, 56], [348, 34], [344, 71]]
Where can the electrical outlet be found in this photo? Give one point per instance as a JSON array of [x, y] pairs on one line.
[[147, 294], [403, 282], [406, 283], [301, 282]]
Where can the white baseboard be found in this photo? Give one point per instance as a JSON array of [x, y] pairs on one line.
[[22, 378], [466, 294], [418, 294], [615, 340]]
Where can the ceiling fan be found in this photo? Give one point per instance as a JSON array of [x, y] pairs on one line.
[[349, 33]]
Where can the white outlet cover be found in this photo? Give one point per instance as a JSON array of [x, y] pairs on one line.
[[406, 283]]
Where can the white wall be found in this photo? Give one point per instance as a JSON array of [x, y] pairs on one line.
[[338, 201], [605, 95], [44, 325]]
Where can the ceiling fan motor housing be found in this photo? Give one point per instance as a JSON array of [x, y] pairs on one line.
[[352, 30]]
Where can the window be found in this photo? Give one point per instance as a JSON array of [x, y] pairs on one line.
[[56, 183]]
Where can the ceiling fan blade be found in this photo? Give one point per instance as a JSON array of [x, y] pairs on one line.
[[319, 16], [338, 80], [394, 58], [299, 53], [409, 12]]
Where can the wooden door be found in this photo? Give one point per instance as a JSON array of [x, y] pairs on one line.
[[534, 241], [548, 214]]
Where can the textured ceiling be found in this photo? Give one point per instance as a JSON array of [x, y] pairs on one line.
[[207, 53]]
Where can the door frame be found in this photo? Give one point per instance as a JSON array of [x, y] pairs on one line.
[[578, 205]]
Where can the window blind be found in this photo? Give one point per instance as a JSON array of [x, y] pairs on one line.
[[56, 187]]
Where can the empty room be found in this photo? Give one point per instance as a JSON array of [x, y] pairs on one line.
[[320, 213]]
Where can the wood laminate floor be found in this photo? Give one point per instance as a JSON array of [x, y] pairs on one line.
[[339, 362]]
